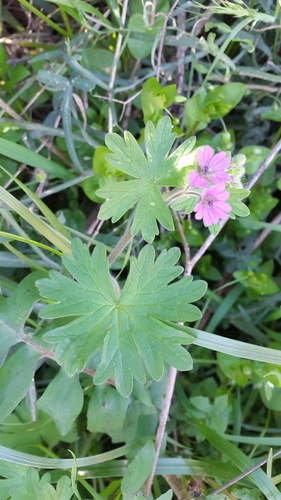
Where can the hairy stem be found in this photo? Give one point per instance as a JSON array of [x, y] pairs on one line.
[[50, 355]]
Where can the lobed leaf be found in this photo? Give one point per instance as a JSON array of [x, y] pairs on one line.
[[152, 171], [127, 326]]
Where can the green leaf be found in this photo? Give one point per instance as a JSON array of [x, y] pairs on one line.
[[137, 412], [221, 100], [237, 194], [63, 490], [138, 471], [154, 99], [215, 104], [107, 410], [15, 310], [23, 432], [271, 399], [195, 108], [32, 487], [214, 228], [186, 203], [66, 389], [142, 37], [255, 155], [258, 282], [128, 324], [239, 208], [273, 114], [176, 167], [24, 155], [58, 82], [127, 155], [28, 488], [152, 171], [166, 496], [150, 209], [15, 377], [81, 6]]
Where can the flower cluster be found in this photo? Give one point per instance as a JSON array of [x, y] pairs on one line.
[[211, 175]]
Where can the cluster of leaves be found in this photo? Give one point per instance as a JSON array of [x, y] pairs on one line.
[[87, 340]]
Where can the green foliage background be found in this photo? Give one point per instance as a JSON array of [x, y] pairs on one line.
[[102, 107]]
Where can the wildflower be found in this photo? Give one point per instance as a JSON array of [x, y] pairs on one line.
[[212, 206], [210, 168]]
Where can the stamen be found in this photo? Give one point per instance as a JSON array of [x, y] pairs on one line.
[[205, 169]]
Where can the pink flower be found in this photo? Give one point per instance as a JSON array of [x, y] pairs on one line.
[[210, 168], [212, 206]]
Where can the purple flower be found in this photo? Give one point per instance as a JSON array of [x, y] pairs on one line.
[[210, 168], [212, 206]]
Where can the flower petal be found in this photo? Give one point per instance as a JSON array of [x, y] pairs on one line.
[[214, 216], [221, 205], [199, 211], [207, 217], [204, 156], [196, 180], [217, 177], [219, 161]]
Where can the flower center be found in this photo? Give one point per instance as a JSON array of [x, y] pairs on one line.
[[205, 169], [208, 201]]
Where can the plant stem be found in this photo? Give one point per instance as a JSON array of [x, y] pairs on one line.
[[261, 237], [50, 355], [114, 66], [122, 243], [179, 193], [161, 426], [162, 36], [183, 239]]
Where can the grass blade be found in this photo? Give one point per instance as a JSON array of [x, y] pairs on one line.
[[238, 458], [48, 232], [51, 218], [232, 347], [24, 155]]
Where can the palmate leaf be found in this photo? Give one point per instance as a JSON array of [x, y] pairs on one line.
[[151, 171], [128, 324]]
